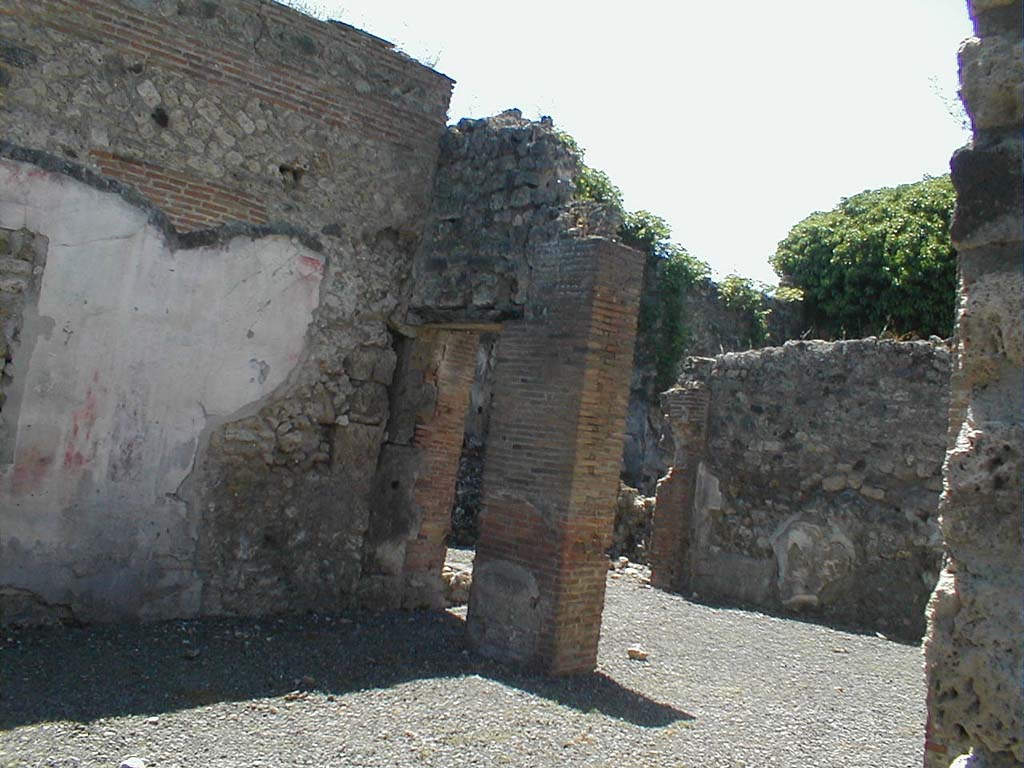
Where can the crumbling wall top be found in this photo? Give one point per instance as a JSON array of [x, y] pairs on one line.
[[504, 186]]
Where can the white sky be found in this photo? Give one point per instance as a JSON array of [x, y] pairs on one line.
[[732, 120]]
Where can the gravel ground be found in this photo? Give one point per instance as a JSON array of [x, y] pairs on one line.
[[721, 688]]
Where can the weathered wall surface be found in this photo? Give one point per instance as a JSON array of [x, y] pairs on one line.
[[415, 484], [506, 242], [293, 416], [503, 187], [22, 262], [973, 650], [712, 328], [807, 479], [208, 113], [552, 464], [503, 190], [128, 350]]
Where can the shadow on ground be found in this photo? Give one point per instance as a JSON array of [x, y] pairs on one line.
[[903, 636], [83, 674]]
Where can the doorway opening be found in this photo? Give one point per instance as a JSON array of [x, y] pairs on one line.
[[465, 512]]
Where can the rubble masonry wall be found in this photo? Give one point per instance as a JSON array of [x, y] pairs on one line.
[[237, 191], [812, 482]]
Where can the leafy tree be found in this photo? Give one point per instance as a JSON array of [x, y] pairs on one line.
[[879, 261]]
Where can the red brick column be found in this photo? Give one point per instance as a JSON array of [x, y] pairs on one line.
[[553, 455], [438, 435], [687, 414]]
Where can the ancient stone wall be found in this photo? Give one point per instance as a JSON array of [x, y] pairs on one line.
[[22, 261], [415, 484], [244, 316], [806, 479], [712, 328], [973, 649], [506, 242], [125, 354], [503, 188], [208, 438]]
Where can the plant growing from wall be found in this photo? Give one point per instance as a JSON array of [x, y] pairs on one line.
[[662, 327], [879, 261], [594, 185], [662, 330], [743, 296], [668, 331]]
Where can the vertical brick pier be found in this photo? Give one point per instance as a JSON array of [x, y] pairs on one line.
[[553, 456], [445, 358], [686, 408]]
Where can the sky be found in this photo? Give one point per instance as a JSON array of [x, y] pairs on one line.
[[732, 121]]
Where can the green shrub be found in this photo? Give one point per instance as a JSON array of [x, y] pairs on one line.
[[879, 261]]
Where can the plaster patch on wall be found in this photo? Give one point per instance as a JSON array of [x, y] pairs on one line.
[[154, 345], [707, 499], [508, 629], [810, 558]]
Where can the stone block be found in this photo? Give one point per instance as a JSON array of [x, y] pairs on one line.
[[505, 601], [990, 198], [992, 81]]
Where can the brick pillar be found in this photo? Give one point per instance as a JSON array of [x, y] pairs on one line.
[[447, 361], [553, 454], [686, 412]]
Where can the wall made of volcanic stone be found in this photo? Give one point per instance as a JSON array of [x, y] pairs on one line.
[[227, 125], [503, 188], [712, 328], [973, 654], [502, 195], [817, 487]]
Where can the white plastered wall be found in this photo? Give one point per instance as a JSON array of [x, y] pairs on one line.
[[131, 350]]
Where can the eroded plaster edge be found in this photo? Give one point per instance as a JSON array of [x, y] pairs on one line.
[[156, 218]]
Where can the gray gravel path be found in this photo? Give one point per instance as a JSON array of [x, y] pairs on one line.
[[721, 687]]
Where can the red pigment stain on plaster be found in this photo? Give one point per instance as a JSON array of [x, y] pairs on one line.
[[22, 174], [310, 268], [82, 420], [30, 470]]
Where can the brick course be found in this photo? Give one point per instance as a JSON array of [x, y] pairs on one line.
[[670, 526], [172, 42], [216, 115], [190, 203]]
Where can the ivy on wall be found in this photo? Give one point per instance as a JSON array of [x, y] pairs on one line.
[[746, 298], [662, 330]]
